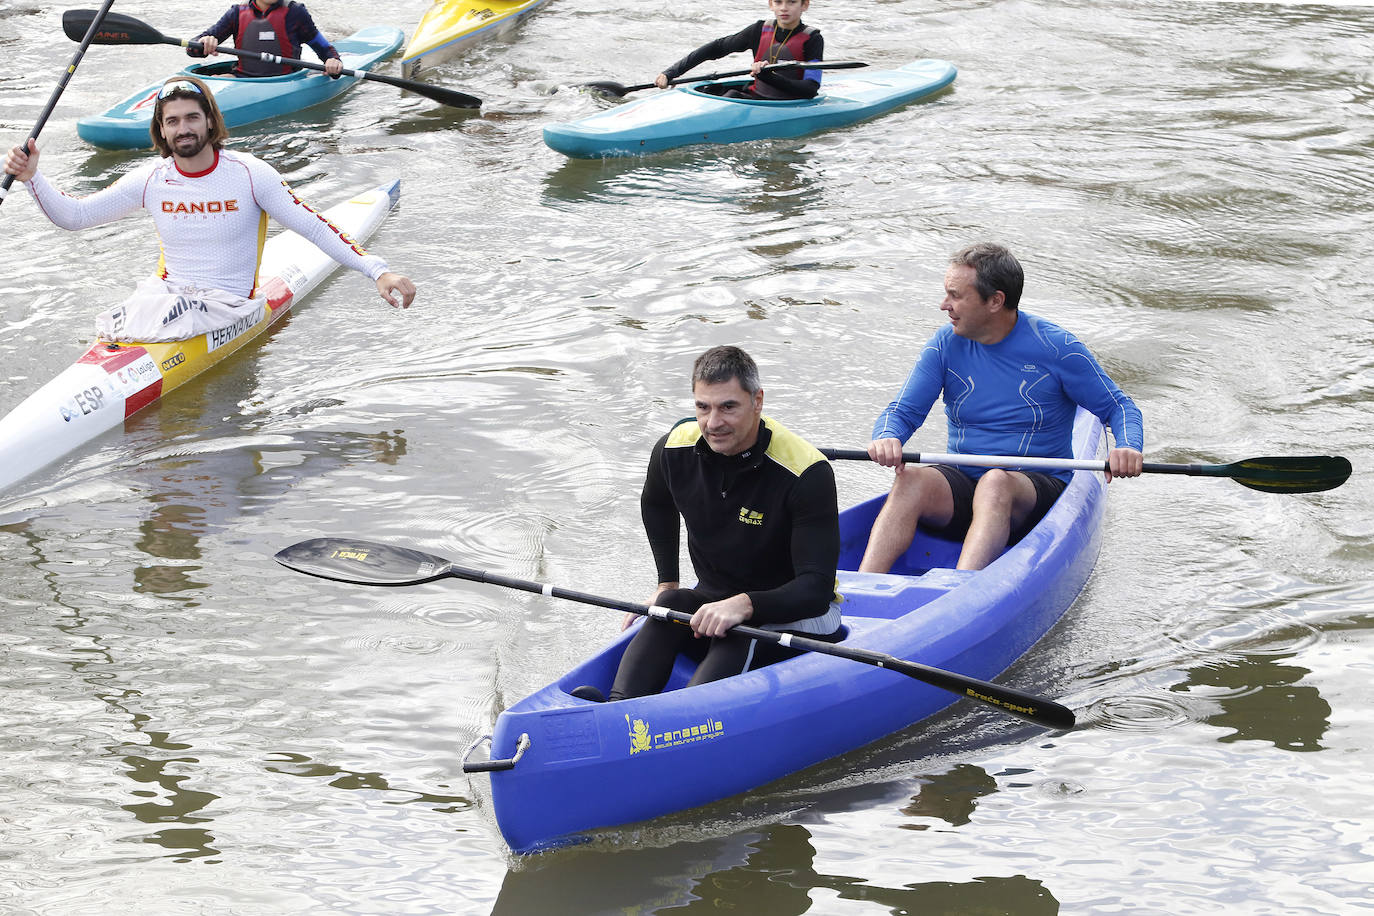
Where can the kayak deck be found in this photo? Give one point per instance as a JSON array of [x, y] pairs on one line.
[[247, 100], [596, 765], [451, 27]]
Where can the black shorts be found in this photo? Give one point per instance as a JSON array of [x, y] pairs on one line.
[[1047, 490]]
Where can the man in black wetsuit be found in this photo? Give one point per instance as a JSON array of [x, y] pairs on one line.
[[763, 533], [785, 38]]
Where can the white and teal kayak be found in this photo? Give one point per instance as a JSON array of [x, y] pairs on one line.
[[243, 101], [688, 115]]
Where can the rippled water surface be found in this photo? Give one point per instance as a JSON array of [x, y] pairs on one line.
[[189, 728]]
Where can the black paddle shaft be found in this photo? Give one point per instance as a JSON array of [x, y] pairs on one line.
[[1281, 474], [370, 563], [118, 29], [619, 89], [87, 38]]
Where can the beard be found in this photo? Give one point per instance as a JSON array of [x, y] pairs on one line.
[[188, 146]]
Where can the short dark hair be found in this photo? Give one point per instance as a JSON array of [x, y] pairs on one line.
[[213, 119], [721, 364], [994, 268]]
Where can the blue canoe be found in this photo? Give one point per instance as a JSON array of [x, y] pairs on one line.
[[243, 101], [686, 115], [589, 765]]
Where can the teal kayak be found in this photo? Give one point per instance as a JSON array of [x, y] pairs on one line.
[[565, 766], [686, 115], [243, 101]]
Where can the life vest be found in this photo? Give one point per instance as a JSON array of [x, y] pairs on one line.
[[263, 35], [793, 48]]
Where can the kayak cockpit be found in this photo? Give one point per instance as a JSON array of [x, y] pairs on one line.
[[225, 71], [716, 90]]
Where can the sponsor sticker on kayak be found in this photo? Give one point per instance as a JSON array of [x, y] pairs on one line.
[[643, 739], [83, 403], [134, 376], [221, 336]]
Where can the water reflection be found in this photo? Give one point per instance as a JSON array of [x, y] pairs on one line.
[[950, 797], [200, 495], [765, 181], [154, 761], [171, 802], [769, 873], [293, 764], [157, 729], [1263, 702]]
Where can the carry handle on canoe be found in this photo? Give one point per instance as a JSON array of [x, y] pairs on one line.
[[491, 765]]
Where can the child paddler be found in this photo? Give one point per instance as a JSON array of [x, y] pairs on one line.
[[785, 38], [267, 26]]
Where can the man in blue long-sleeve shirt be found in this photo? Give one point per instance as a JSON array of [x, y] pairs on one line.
[[267, 26], [1011, 383]]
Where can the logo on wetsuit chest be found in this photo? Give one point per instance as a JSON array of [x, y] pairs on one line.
[[213, 206], [750, 517]]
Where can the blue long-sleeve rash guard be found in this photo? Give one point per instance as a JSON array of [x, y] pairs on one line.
[[1014, 397]]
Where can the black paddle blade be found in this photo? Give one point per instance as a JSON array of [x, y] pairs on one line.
[[451, 97], [115, 29], [1297, 474], [362, 562], [610, 87]]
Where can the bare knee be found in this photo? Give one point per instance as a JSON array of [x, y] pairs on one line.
[[906, 486], [996, 492], [920, 494]]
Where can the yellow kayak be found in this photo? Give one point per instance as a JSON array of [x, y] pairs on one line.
[[450, 27]]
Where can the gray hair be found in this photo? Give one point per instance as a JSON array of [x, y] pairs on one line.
[[994, 268], [721, 364]]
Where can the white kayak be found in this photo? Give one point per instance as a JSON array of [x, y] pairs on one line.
[[112, 381]]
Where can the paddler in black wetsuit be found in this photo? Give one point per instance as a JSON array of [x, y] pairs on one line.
[[785, 38], [763, 534]]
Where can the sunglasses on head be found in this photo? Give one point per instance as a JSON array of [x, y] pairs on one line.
[[177, 86]]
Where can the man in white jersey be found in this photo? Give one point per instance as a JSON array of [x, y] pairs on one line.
[[210, 206]]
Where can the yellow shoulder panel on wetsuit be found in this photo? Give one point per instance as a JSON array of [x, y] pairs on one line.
[[684, 435], [790, 450]]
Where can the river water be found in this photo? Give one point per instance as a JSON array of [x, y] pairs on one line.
[[188, 728]]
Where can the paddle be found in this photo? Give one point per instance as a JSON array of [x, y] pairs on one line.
[[1304, 474], [118, 29], [618, 89], [369, 563], [95, 19]]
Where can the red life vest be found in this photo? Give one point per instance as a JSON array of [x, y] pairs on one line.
[[263, 35], [792, 48]]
